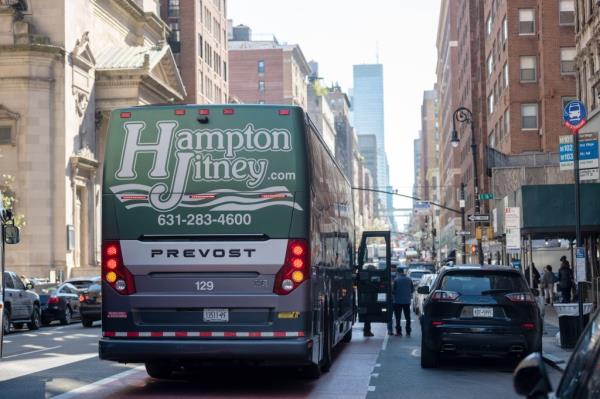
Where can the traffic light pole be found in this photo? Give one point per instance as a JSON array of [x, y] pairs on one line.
[[462, 222]]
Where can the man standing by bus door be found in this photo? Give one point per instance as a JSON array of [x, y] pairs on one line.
[[402, 290]]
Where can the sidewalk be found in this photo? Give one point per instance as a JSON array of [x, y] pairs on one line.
[[553, 354]]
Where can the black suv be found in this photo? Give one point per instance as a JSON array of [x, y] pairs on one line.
[[21, 306], [474, 310]]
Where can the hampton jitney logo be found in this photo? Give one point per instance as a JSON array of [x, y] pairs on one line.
[[196, 157]]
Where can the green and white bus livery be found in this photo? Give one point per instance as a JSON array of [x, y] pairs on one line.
[[227, 234]]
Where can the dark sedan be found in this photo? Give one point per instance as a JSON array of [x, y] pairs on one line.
[[59, 303], [479, 310], [90, 300]]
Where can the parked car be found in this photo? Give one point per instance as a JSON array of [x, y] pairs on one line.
[[479, 310], [581, 378], [59, 303], [416, 274], [21, 306], [90, 300], [426, 280]]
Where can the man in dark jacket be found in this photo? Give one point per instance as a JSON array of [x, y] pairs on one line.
[[565, 280], [402, 290]]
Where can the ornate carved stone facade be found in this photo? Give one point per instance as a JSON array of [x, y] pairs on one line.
[[62, 70]]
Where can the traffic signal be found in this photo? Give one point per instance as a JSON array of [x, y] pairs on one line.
[[473, 248]]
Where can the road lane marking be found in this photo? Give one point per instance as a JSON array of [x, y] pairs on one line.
[[30, 352], [371, 388], [374, 374], [385, 342], [98, 384], [33, 346], [19, 368]]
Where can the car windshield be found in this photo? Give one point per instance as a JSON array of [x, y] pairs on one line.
[[45, 290], [81, 284], [482, 283]]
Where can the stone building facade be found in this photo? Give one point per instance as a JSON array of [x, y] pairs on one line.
[[62, 70]]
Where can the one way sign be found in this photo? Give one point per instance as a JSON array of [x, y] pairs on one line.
[[479, 218]]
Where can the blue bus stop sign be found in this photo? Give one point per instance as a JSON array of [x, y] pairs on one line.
[[575, 115]]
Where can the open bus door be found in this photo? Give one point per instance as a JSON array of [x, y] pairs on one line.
[[374, 278]]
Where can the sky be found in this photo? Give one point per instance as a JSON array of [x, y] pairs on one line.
[[340, 33]]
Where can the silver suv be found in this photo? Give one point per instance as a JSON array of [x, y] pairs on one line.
[[21, 306]]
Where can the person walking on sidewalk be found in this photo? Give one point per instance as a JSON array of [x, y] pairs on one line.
[[548, 285], [565, 280], [402, 290]]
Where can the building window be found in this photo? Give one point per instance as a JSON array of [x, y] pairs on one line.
[[488, 25], [200, 46], [526, 21], [506, 121], [504, 30], [6, 135], [528, 69], [261, 85], [174, 38], [567, 60], [261, 67], [567, 12], [173, 8], [491, 103], [225, 71], [505, 75], [566, 100], [261, 101], [529, 116], [490, 65]]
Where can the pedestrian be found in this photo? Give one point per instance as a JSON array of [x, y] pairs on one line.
[[402, 290], [565, 279], [548, 285], [367, 332]]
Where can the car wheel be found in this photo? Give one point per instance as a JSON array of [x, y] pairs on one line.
[[311, 372], [159, 370], [18, 326], [6, 322], [429, 358], [65, 318], [86, 322], [36, 320]]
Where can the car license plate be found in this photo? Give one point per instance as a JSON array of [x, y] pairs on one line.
[[483, 312], [216, 315]]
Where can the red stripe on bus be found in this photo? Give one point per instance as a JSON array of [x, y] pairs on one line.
[[255, 334], [229, 334], [279, 334], [181, 334], [109, 333], [133, 334], [156, 334]]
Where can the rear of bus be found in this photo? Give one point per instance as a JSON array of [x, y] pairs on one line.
[[204, 235]]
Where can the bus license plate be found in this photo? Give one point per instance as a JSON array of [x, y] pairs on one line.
[[483, 312], [216, 315]]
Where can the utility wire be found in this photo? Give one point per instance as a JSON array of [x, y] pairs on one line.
[[407, 196]]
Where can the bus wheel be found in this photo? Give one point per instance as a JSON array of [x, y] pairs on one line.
[[312, 372], [159, 370], [328, 346]]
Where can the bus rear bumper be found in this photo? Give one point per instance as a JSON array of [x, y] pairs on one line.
[[297, 350]]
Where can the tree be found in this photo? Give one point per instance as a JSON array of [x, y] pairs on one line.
[[10, 200]]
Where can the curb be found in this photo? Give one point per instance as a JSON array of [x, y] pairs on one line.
[[554, 362]]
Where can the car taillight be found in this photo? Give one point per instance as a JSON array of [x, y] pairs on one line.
[[296, 268], [114, 271], [528, 326], [520, 297], [53, 300], [444, 296], [82, 298]]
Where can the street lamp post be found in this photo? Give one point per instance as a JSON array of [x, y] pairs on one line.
[[464, 115]]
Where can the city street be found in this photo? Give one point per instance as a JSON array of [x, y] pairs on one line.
[[62, 362]]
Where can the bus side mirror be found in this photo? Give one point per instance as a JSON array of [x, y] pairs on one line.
[[12, 234]]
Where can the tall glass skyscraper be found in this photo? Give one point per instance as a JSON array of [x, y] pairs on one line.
[[367, 107]]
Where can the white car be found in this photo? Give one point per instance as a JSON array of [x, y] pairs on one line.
[[426, 280]]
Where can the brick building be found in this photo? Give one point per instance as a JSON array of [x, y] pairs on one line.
[[264, 71], [447, 98], [530, 72], [199, 41]]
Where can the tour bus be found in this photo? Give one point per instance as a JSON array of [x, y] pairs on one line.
[[227, 234]]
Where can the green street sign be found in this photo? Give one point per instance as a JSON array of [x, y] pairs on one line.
[[486, 196]]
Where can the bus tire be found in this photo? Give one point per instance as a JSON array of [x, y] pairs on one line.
[[348, 336], [312, 372], [327, 344], [159, 370]]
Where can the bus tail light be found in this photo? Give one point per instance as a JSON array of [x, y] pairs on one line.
[[114, 271], [296, 268]]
